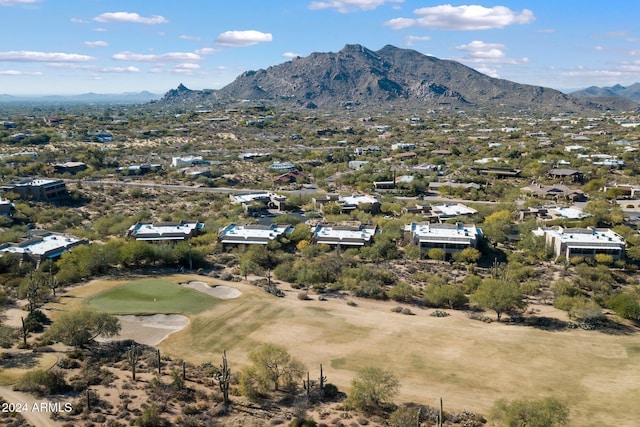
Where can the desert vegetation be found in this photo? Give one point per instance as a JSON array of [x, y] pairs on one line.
[[394, 327]]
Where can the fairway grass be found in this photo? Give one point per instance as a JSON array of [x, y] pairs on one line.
[[467, 363], [151, 296]]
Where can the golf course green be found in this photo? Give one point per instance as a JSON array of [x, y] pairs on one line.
[[151, 296]]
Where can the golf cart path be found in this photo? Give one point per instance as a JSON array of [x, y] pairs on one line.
[[37, 419]]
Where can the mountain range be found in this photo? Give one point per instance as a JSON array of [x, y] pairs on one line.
[[629, 92], [358, 77], [86, 98]]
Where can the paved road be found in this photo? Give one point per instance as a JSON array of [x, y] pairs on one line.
[[33, 417]]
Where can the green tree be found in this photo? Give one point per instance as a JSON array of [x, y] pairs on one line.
[[80, 328], [499, 295], [497, 226], [34, 288], [274, 368], [547, 412], [468, 255], [401, 292], [626, 305], [448, 295], [372, 389], [437, 254], [135, 253], [603, 213]]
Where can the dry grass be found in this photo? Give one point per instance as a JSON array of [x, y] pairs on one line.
[[468, 363]]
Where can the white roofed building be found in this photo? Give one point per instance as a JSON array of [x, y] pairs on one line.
[[451, 238], [42, 245], [582, 242], [166, 231], [343, 235], [252, 234]]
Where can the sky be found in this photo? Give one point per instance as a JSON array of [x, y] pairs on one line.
[[67, 47]]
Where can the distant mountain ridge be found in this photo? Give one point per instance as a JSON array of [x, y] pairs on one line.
[[629, 92], [357, 76], [86, 98]]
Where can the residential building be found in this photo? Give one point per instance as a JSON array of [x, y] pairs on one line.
[[41, 245], [582, 242], [282, 166], [447, 211], [558, 191], [451, 238], [69, 167], [180, 162], [139, 169], [551, 213], [343, 235], [567, 174], [37, 189], [164, 231], [445, 186], [252, 234], [7, 208], [498, 172], [258, 201]]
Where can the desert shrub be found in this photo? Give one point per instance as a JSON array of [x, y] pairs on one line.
[[439, 313], [625, 305], [8, 336], [35, 321], [42, 383], [150, 417]]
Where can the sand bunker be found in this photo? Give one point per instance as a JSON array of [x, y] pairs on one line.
[[149, 330], [222, 292]]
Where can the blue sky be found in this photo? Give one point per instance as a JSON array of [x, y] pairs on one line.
[[115, 46]]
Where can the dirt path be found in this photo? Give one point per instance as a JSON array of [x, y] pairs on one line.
[[33, 417]]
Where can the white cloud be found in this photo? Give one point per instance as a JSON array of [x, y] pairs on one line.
[[463, 18], [206, 51], [489, 71], [290, 55], [130, 17], [165, 57], [186, 68], [97, 43], [30, 56], [634, 52], [15, 2], [243, 38], [20, 73], [409, 40], [100, 30], [79, 21], [598, 48], [346, 6], [481, 52], [547, 30], [186, 37], [129, 69]]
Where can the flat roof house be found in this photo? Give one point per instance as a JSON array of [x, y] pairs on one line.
[[582, 242], [7, 208], [164, 231], [343, 235], [178, 162], [450, 237], [447, 211], [41, 246], [267, 199], [252, 234], [38, 189]]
